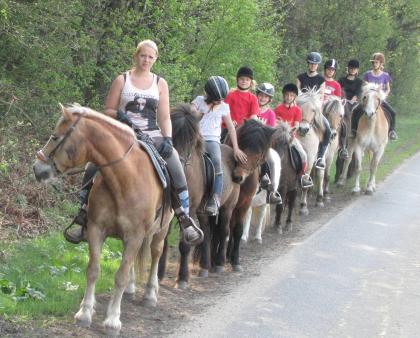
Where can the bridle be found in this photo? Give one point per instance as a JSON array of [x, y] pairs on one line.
[[377, 107], [48, 158]]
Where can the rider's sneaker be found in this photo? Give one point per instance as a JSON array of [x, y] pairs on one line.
[[81, 217], [265, 181], [274, 197], [306, 181], [393, 135], [343, 154], [192, 234], [77, 234], [212, 206], [320, 163]]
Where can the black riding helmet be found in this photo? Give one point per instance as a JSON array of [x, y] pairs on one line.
[[290, 87], [314, 57], [245, 71], [331, 63], [265, 88], [216, 88], [353, 63]]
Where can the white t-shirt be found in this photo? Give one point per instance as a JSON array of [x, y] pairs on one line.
[[210, 123]]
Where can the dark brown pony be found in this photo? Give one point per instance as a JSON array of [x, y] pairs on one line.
[[190, 146], [254, 138], [125, 201], [289, 178]]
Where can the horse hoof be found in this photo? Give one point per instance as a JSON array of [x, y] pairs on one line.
[[182, 285], [369, 192], [320, 204], [111, 332], [258, 240], [149, 302], [243, 241], [340, 184], [112, 327], [219, 269], [237, 268], [289, 226], [355, 192], [204, 273], [83, 319], [304, 212]]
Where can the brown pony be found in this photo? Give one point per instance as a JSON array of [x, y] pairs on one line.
[[310, 134], [289, 178], [125, 201], [333, 110], [372, 135]]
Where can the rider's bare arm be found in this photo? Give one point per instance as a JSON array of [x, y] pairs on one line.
[[163, 115], [113, 99]]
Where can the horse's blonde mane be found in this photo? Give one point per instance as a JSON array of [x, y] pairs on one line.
[[373, 87], [312, 96], [89, 113]]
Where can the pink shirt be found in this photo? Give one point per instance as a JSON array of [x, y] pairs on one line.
[[269, 117]]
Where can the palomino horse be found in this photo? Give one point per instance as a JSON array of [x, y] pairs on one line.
[[333, 110], [259, 212], [372, 135], [310, 134], [288, 186], [125, 201]]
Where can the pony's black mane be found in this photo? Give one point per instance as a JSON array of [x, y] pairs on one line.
[[185, 129], [255, 136]]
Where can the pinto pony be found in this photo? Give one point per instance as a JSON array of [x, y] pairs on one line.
[[372, 136], [310, 133], [125, 201]]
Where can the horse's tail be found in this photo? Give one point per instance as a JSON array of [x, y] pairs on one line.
[[143, 258]]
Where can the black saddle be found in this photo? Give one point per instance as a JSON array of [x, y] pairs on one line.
[[295, 159], [209, 175]]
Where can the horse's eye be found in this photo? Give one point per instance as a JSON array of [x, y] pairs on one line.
[[54, 137]]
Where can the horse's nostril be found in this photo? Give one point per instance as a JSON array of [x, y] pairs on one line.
[[237, 179]]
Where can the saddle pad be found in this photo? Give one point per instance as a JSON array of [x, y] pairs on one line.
[[295, 159], [158, 162]]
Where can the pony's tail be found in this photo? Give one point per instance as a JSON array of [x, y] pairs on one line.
[[143, 259]]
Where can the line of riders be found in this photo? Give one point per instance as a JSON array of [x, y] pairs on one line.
[[140, 99]]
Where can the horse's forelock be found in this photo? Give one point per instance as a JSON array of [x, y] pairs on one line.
[[255, 136], [186, 130], [282, 134]]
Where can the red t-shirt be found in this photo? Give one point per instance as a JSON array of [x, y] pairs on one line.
[[242, 105], [290, 115], [332, 88]]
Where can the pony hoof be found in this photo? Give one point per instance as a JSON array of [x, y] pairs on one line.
[[355, 192], [243, 241], [340, 184], [83, 319], [369, 192], [112, 327], [320, 204], [304, 211], [149, 302], [219, 269], [182, 285], [237, 268], [258, 240], [278, 229], [203, 273], [111, 332], [289, 226]]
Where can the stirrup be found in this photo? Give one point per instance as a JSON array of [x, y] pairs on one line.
[[343, 154], [306, 181], [75, 238], [212, 207], [320, 164], [192, 234], [274, 197]]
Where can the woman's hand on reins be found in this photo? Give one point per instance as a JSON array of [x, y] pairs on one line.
[[240, 155]]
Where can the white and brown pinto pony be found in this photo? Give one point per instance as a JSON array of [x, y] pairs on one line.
[[333, 110], [310, 133], [125, 201], [372, 136]]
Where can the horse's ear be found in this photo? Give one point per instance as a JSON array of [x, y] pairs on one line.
[[65, 112]]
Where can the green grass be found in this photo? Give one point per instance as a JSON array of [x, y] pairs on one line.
[[45, 277]]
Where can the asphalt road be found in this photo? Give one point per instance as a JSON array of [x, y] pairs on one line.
[[358, 276]]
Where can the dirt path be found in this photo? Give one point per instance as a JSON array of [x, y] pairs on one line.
[[175, 306]]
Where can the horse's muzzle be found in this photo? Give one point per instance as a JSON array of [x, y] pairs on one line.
[[303, 131], [237, 179]]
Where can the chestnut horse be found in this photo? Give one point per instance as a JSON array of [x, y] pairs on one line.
[[289, 179], [372, 136], [125, 201], [310, 134], [333, 110]]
